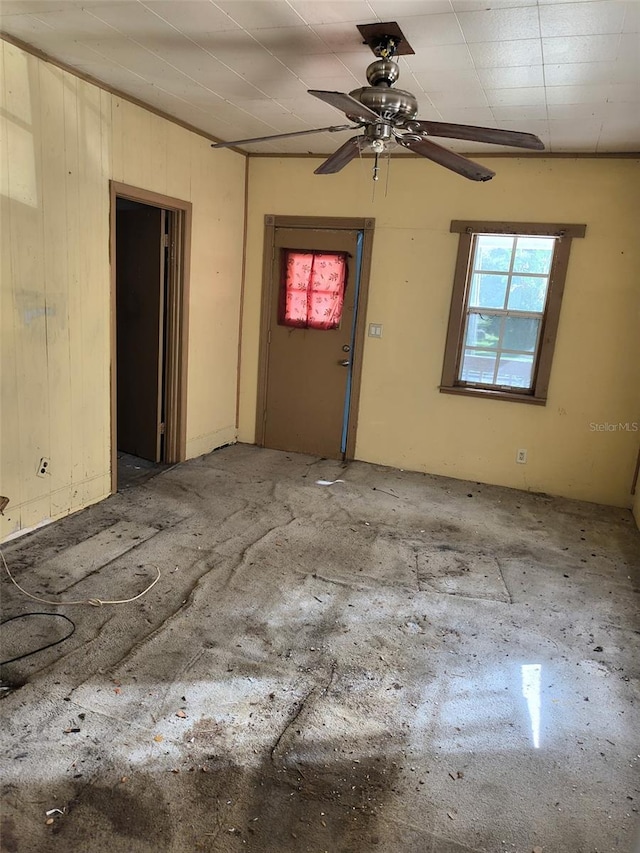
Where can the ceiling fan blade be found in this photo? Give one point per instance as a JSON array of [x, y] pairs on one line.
[[341, 157], [346, 104], [283, 136], [446, 158], [479, 134]]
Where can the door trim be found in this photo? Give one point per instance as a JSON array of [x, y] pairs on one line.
[[177, 320], [332, 223]]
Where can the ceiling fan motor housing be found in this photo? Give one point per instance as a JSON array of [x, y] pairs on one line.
[[390, 104]]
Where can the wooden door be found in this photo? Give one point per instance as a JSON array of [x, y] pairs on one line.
[[140, 272], [308, 369]]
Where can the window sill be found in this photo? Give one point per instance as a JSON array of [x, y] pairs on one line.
[[493, 395]]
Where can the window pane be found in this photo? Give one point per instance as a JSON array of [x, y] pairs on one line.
[[493, 252], [478, 366], [515, 371], [504, 312], [533, 254], [296, 308], [483, 330], [520, 333], [488, 291], [527, 293]]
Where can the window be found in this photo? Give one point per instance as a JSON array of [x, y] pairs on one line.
[[505, 308], [312, 289]]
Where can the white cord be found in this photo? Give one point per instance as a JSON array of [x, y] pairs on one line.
[[95, 602]]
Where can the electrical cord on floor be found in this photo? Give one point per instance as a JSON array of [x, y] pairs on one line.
[[95, 602], [48, 645]]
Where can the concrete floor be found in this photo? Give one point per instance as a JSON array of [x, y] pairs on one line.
[[133, 470], [397, 663]]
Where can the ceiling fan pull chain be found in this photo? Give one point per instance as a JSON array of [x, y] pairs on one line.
[[376, 169]]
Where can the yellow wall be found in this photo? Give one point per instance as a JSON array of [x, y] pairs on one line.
[[62, 140], [403, 420]]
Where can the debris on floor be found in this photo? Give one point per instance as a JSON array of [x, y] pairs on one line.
[[325, 667]]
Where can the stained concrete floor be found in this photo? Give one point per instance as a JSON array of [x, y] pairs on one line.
[[396, 662], [133, 470]]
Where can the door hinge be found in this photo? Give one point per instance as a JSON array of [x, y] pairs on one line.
[[165, 241], [161, 429]]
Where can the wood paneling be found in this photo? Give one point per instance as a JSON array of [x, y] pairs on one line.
[[25, 224], [52, 87], [9, 420], [63, 139]]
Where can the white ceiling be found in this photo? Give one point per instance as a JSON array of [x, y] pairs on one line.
[[567, 71]]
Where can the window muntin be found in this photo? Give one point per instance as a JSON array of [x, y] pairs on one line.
[[504, 311]]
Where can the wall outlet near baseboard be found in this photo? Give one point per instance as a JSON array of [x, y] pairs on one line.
[[521, 457]]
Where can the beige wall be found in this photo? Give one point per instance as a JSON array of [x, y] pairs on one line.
[[404, 420], [62, 140]]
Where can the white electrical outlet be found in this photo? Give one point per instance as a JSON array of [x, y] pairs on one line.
[[43, 467], [521, 457]]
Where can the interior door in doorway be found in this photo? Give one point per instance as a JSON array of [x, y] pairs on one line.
[[309, 364], [140, 296]]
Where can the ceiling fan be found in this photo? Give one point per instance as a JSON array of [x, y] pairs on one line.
[[388, 116]]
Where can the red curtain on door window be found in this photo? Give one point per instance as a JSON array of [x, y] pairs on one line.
[[312, 293]]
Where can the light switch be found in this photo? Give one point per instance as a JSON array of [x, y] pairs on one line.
[[375, 330]]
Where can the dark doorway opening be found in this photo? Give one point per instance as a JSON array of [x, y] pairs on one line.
[[142, 248], [149, 251]]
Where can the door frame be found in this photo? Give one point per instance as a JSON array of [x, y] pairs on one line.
[[315, 223], [177, 320]]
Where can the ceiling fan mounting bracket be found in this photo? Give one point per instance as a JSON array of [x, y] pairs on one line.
[[385, 47], [385, 40]]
